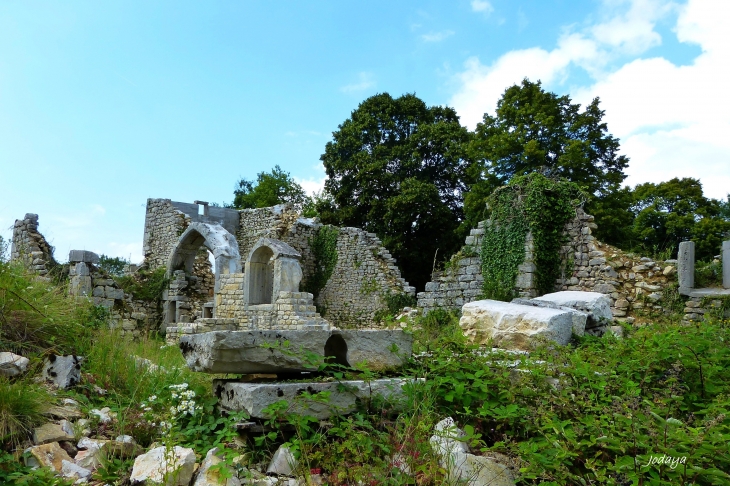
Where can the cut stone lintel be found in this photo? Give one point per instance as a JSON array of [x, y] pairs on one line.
[[344, 396], [261, 351]]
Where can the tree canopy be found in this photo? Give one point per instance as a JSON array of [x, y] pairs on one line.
[[397, 168], [270, 189], [677, 210], [534, 130]]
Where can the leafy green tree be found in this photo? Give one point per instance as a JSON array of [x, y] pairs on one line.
[[270, 189], [677, 210], [397, 168], [536, 130], [113, 265]]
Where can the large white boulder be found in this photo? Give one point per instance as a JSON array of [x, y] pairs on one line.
[[64, 371], [172, 467], [462, 467], [12, 364], [596, 305], [514, 326]]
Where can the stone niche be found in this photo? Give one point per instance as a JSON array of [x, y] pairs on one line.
[[272, 268]]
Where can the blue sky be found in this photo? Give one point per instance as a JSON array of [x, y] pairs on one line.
[[103, 105]]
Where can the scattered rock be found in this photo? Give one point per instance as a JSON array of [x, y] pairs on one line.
[[64, 371], [171, 468], [51, 433], [104, 415], [71, 470], [460, 465], [47, 455], [208, 477], [283, 463], [595, 304], [12, 364]]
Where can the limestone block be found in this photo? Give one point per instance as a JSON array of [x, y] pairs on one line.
[[64, 371], [686, 264], [159, 466], [343, 399], [261, 351], [579, 318], [212, 477], [80, 286], [83, 256], [47, 455], [596, 305], [113, 293], [12, 364], [513, 326]]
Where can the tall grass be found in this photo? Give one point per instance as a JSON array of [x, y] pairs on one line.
[[21, 408], [37, 315]]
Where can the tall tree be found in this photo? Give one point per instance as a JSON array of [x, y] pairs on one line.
[[270, 189], [396, 168], [536, 130], [677, 210]]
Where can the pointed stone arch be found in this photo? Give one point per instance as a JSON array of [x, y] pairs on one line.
[[218, 240]]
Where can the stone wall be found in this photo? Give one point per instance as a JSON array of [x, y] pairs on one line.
[[631, 281], [30, 247], [163, 225], [364, 274]]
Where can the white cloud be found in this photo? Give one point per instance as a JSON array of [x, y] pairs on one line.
[[312, 184], [131, 251], [672, 120], [365, 80], [482, 6], [437, 36]]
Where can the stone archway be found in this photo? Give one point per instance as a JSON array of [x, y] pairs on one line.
[[218, 240]]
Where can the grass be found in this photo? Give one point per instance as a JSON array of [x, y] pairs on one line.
[[22, 404]]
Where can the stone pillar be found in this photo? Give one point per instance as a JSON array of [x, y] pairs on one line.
[[686, 264], [726, 264]]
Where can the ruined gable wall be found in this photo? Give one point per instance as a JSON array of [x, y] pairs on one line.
[[31, 247], [631, 281]]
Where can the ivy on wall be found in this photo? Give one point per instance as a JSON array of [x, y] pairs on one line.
[[533, 204], [324, 248]]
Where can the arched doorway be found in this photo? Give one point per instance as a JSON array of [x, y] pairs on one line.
[[215, 238], [261, 278]]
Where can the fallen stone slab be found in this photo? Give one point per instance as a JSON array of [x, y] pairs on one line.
[[514, 326], [596, 305], [579, 318], [263, 351], [344, 396], [12, 364], [64, 371]]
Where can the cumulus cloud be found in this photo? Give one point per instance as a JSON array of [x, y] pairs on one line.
[[482, 6], [365, 81], [437, 36], [672, 119]]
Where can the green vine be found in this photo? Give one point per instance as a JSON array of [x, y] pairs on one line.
[[324, 248], [532, 203]]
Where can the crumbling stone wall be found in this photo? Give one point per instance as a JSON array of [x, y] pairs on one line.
[[364, 274], [30, 247], [631, 281], [163, 225]]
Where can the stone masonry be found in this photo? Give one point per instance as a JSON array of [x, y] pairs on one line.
[[632, 282], [30, 247]]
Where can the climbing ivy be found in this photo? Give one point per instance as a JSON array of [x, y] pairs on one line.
[[530, 203], [324, 247]]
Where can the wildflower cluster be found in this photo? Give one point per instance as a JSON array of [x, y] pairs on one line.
[[186, 405], [169, 411]]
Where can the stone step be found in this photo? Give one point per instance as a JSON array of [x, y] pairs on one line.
[[344, 396]]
